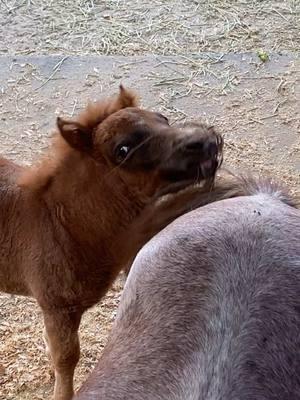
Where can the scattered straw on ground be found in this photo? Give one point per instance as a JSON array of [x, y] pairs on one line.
[[141, 27], [25, 370]]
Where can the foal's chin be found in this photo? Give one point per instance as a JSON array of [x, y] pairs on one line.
[[178, 186], [205, 180]]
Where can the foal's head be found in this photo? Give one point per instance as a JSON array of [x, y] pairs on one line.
[[140, 147]]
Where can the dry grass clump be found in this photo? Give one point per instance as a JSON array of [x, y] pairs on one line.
[[136, 27]]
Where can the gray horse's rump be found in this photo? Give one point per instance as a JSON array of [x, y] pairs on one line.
[[211, 310]]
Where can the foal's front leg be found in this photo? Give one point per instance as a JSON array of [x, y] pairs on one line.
[[63, 343]]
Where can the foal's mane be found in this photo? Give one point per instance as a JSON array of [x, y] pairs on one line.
[[38, 177]]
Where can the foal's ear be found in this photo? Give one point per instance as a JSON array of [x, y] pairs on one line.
[[76, 135], [126, 98]]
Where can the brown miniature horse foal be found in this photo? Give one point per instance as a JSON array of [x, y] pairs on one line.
[[63, 221]]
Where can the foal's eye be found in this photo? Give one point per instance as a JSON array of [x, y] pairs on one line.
[[122, 152]]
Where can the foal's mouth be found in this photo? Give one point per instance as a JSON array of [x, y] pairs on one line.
[[195, 172], [205, 174]]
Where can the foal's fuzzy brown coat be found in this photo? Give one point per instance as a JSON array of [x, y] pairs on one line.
[[66, 223]]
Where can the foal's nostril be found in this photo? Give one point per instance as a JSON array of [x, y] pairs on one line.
[[195, 147], [210, 148], [205, 147]]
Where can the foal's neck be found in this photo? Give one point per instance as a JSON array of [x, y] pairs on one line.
[[92, 203]]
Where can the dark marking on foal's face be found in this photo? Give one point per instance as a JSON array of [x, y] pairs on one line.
[[142, 147], [139, 141]]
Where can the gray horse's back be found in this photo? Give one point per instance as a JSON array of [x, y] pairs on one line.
[[211, 310]]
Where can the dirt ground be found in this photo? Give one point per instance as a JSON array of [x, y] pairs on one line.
[[188, 59]]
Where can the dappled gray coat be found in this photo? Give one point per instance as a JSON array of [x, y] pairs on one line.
[[211, 309]]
